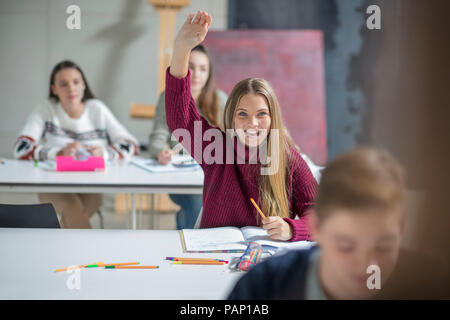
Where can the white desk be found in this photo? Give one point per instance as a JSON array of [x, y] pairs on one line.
[[29, 258], [120, 177]]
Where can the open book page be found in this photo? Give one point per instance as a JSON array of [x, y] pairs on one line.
[[260, 236], [179, 163], [214, 239]]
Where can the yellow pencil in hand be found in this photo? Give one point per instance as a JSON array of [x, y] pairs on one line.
[[257, 208]]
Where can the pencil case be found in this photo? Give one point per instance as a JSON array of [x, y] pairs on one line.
[[67, 163], [251, 256]]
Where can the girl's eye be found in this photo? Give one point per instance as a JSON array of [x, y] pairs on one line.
[[262, 114], [345, 248], [384, 249], [242, 114]]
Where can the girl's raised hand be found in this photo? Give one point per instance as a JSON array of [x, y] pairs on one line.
[[193, 31]]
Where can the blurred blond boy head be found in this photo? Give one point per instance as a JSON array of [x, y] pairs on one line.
[[358, 222]]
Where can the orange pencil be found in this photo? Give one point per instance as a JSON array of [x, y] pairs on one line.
[[78, 267], [257, 208], [198, 259], [199, 262], [65, 269], [120, 264]]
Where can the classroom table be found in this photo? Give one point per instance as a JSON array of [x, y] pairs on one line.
[[29, 258], [119, 177]]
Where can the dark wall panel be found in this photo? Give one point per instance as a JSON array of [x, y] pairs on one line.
[[350, 49]]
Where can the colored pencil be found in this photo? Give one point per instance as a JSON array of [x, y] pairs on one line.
[[98, 265], [131, 267], [199, 262], [194, 259], [80, 266], [257, 208], [120, 264], [177, 149]]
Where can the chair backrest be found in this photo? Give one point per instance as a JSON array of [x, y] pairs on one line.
[[199, 219], [28, 216], [315, 169]]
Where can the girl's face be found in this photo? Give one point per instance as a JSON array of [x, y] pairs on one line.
[[199, 67], [69, 87], [252, 119], [350, 243]]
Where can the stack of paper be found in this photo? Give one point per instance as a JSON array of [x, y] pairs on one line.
[[179, 163]]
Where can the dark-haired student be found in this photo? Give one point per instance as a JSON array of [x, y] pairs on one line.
[[357, 223], [71, 120]]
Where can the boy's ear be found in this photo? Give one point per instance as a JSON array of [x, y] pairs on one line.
[[313, 225]]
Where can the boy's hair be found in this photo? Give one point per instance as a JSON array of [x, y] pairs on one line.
[[366, 178]]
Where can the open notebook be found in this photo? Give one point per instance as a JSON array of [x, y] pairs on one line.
[[179, 163], [232, 239]]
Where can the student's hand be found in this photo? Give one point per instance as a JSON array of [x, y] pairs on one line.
[[69, 150], [192, 33], [95, 151], [277, 228], [164, 156]]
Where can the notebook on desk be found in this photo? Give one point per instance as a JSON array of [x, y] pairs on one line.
[[178, 164], [232, 239]]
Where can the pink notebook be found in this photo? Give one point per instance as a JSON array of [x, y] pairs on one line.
[[67, 163]]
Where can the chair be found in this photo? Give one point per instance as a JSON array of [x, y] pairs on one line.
[[100, 216], [28, 216], [199, 219], [315, 169]]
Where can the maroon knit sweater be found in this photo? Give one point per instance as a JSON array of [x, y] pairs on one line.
[[228, 187]]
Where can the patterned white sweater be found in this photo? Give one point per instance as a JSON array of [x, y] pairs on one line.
[[49, 129]]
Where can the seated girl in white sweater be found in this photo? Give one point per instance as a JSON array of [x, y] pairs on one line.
[[71, 120]]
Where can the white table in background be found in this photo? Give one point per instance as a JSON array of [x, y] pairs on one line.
[[29, 258], [119, 177]]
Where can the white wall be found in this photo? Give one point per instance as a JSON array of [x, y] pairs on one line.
[[116, 48]]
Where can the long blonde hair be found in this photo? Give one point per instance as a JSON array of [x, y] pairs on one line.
[[272, 187]]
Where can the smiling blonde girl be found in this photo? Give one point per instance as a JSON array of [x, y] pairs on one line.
[[253, 113]]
